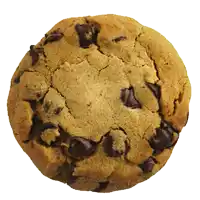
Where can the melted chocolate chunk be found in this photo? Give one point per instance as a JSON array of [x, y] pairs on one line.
[[87, 34], [155, 88], [156, 152], [33, 104], [53, 36], [107, 144], [47, 126], [128, 98], [64, 136], [17, 79], [102, 186], [163, 138], [65, 173], [108, 147], [119, 38], [148, 165], [34, 53], [80, 147], [69, 174], [38, 127]]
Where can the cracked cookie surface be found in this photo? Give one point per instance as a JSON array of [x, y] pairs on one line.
[[99, 102]]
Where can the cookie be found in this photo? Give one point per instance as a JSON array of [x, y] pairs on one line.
[[99, 102]]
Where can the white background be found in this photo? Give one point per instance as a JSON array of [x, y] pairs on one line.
[[23, 23]]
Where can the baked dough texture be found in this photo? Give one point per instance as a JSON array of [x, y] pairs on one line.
[[99, 102]]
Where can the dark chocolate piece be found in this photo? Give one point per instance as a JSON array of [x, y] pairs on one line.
[[34, 53], [108, 147], [80, 147], [102, 186], [53, 36], [128, 98], [87, 34], [155, 88], [148, 165], [163, 138]]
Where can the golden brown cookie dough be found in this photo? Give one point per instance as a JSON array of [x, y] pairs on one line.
[[99, 102]]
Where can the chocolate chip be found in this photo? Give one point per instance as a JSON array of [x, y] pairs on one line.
[[128, 98], [108, 147], [36, 49], [65, 173], [47, 126], [107, 144], [155, 88], [64, 136], [32, 47], [117, 39], [35, 128], [33, 104], [69, 175], [87, 34], [34, 53], [53, 36], [38, 127], [80, 147], [17, 79], [163, 138], [148, 165], [156, 152], [102, 186]]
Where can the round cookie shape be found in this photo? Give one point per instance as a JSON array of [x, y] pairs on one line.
[[99, 102]]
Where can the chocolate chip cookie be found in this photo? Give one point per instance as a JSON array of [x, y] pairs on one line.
[[99, 102]]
